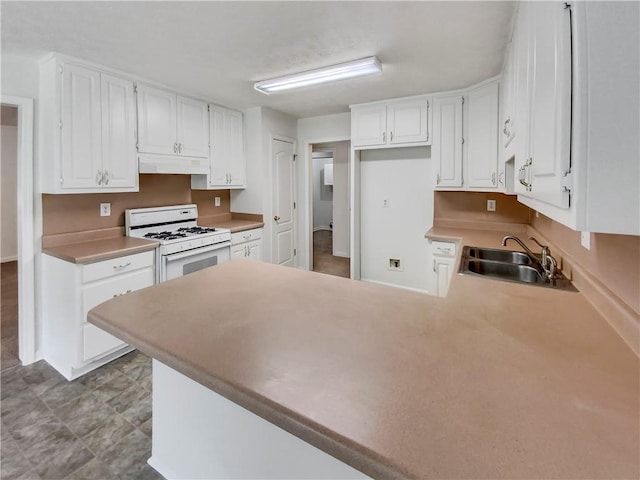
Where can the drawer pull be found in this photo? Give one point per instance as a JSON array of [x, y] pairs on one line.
[[116, 295], [117, 267]]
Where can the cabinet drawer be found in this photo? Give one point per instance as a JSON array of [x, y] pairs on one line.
[[117, 266], [444, 248], [98, 292], [246, 236], [97, 342]]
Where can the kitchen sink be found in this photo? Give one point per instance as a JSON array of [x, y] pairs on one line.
[[508, 256], [508, 266]]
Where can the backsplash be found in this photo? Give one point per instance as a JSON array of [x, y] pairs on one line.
[[81, 212], [472, 207]]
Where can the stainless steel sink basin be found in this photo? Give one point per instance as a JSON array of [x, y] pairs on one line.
[[508, 266], [518, 258]]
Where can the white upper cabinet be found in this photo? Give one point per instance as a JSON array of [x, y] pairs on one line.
[[157, 121], [446, 150], [481, 140], [86, 130], [227, 166], [396, 123], [407, 122], [369, 126], [171, 125], [193, 128], [119, 161]]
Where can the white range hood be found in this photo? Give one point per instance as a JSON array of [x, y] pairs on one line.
[[172, 165]]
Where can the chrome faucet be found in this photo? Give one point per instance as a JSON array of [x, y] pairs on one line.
[[547, 265]]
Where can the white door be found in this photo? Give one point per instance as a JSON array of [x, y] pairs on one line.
[[119, 159], [550, 101], [482, 138], [282, 236], [193, 128], [446, 148], [157, 121], [408, 122], [81, 130], [369, 126]]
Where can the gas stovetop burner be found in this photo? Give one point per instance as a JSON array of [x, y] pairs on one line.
[[165, 235], [197, 230]]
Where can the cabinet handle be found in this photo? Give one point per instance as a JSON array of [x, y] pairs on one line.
[[391, 137], [522, 174], [117, 267], [247, 237], [384, 137], [115, 295], [246, 251], [175, 148], [105, 177], [438, 179], [180, 148], [434, 265], [501, 178], [493, 178], [99, 178]]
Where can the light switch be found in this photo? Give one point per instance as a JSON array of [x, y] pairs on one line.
[[216, 201]]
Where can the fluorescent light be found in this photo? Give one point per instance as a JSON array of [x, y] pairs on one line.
[[356, 68]]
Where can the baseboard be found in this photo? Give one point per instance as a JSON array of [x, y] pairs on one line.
[[618, 314], [8, 259], [315, 229], [402, 287], [341, 254]]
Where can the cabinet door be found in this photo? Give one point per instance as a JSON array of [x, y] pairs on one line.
[[254, 250], [219, 167], [446, 149], [193, 128], [508, 97], [369, 126], [157, 121], [482, 137], [234, 147], [81, 128], [550, 129], [238, 251], [407, 122], [119, 159], [444, 272]]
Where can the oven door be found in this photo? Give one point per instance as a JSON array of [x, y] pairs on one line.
[[182, 263]]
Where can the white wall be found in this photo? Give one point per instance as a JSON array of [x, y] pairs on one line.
[[401, 177], [261, 124], [322, 195], [325, 128], [9, 179], [19, 76]]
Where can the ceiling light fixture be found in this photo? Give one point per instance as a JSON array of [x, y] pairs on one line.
[[356, 68]]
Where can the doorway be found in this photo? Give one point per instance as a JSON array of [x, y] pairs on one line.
[[330, 207], [9, 240]]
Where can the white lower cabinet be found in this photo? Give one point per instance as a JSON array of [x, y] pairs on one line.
[[71, 345], [442, 258], [247, 245]]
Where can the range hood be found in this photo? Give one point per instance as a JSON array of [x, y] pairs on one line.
[[173, 165]]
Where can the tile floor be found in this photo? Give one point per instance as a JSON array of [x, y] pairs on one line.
[[96, 427]]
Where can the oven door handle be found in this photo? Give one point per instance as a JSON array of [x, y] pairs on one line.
[[209, 248]]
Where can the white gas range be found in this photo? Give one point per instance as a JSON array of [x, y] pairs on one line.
[[184, 247]]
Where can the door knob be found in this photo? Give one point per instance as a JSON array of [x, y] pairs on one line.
[[276, 218]]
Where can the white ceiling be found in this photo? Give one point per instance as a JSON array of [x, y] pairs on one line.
[[219, 49]]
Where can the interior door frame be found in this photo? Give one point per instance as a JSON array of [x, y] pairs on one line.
[[294, 194], [29, 218], [307, 217]]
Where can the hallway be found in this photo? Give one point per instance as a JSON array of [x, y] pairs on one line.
[[323, 259]]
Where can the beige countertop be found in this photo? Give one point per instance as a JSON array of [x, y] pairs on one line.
[[101, 249], [234, 225], [497, 380]]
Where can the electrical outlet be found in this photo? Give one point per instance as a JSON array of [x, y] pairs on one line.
[[395, 264], [385, 203], [105, 209], [585, 240], [216, 201], [491, 205]]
